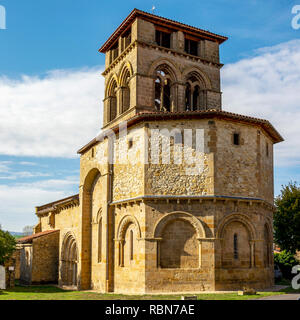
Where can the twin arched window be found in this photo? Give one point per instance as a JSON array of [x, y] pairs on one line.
[[194, 93], [165, 90], [118, 99]]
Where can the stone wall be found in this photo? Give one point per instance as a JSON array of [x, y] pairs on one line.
[[220, 220], [194, 250], [45, 259], [10, 272], [128, 170], [129, 253], [242, 170], [17, 257], [178, 176]]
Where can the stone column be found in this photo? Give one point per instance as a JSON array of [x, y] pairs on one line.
[[200, 253], [252, 253], [180, 96], [119, 95]]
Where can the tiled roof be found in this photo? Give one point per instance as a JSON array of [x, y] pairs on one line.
[[159, 20], [29, 239], [152, 116], [57, 203]]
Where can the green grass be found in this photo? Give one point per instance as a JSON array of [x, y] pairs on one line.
[[18, 237], [53, 293]]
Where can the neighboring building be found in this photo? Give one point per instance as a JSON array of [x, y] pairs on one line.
[[38, 255], [7, 273], [156, 227]]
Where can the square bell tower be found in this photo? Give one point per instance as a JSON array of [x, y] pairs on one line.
[[154, 64]]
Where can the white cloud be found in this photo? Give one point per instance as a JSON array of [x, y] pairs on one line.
[[9, 172], [57, 114], [27, 163], [17, 202], [50, 116], [4, 166], [268, 86]]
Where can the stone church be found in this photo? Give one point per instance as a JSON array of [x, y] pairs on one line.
[[146, 225]]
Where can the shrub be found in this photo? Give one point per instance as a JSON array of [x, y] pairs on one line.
[[285, 260]]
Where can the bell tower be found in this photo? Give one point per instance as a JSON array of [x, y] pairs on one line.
[[154, 64]]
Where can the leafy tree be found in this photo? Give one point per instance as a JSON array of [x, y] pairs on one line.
[[287, 218], [286, 260], [28, 230], [7, 246]]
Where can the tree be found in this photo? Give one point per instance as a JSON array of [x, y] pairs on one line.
[[7, 246], [28, 230], [287, 218], [286, 261]]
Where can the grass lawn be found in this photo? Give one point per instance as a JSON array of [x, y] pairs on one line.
[[54, 293]]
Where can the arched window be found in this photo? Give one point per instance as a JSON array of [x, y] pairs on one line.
[[112, 101], [235, 247], [267, 247], [188, 96], [125, 90], [163, 89], [127, 246], [196, 98], [194, 93], [158, 87]]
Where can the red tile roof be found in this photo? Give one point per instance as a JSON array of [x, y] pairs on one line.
[[161, 21], [29, 239], [205, 114]]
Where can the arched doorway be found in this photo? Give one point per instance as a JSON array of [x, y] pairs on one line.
[[90, 207], [69, 261]]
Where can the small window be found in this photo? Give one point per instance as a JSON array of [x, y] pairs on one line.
[[114, 52], [163, 39], [191, 47], [131, 245], [236, 139], [267, 149], [127, 38], [130, 143], [235, 246]]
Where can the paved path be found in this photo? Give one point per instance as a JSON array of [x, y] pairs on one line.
[[290, 296]]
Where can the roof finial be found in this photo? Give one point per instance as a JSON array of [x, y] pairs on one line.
[[153, 9]]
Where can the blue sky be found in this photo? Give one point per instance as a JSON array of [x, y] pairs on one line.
[[46, 35], [50, 76]]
